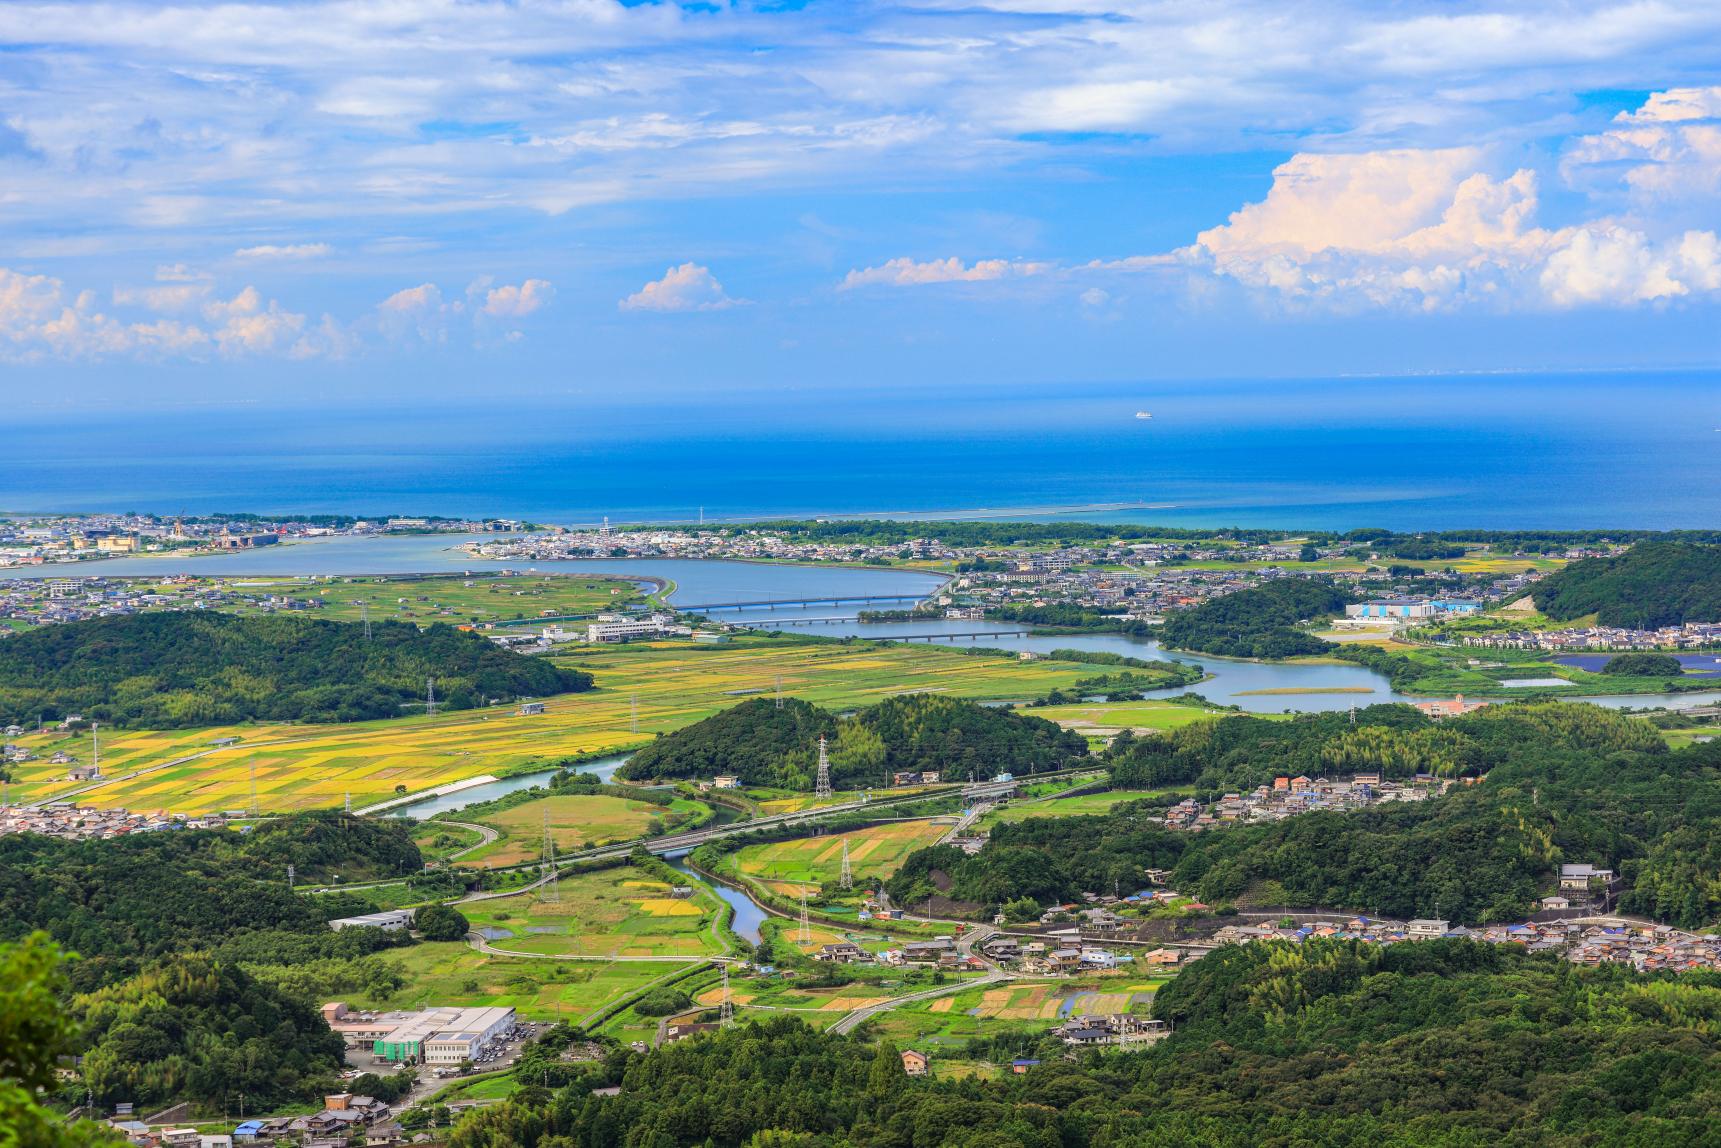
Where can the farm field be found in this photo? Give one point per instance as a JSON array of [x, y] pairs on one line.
[[621, 912], [1031, 1006], [437, 839], [576, 821], [451, 973], [675, 685], [788, 867], [1077, 806]]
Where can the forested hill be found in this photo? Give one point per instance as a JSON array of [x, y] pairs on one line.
[[1564, 782], [764, 745], [1256, 623], [1334, 1043], [1651, 585], [173, 670]]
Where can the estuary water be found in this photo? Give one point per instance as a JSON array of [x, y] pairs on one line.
[[1232, 682]]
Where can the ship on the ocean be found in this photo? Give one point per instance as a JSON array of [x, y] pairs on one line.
[[1143, 415]]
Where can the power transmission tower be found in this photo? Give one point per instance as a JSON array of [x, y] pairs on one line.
[[364, 612], [633, 708], [779, 691], [253, 764], [805, 935], [348, 807], [290, 875], [96, 747], [847, 880], [552, 890], [822, 787], [726, 1012], [429, 697]]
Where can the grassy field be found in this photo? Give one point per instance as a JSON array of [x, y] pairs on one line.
[[673, 684], [618, 912], [576, 822], [452, 598], [1080, 805], [437, 839], [450, 973], [1143, 717], [787, 867]]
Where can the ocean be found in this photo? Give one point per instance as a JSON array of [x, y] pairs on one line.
[[1503, 452]]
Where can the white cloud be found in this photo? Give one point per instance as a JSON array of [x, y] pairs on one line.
[[1433, 229], [1670, 148], [1095, 297], [517, 301], [284, 251], [905, 272], [688, 287], [40, 319]]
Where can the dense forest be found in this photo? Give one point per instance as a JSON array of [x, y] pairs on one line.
[[765, 745], [1564, 782], [1651, 585], [197, 966], [1332, 1043], [179, 669], [1257, 623]]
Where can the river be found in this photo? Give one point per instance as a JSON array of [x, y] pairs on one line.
[[704, 580]]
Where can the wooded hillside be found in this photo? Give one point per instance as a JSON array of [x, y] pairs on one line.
[[1651, 585], [1257, 623], [179, 669], [764, 745]]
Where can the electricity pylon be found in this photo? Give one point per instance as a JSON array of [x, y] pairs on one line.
[[822, 787], [552, 890], [805, 936], [847, 880]]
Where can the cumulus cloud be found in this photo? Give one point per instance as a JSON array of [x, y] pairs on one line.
[[516, 301], [41, 319], [688, 287], [284, 251], [1670, 148], [905, 272], [1433, 229]]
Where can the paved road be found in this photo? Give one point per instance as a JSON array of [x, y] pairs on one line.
[[848, 1023]]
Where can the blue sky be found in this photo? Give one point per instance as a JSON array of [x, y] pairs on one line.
[[332, 199]]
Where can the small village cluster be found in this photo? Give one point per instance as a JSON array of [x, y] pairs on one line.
[[1289, 796], [77, 824], [1645, 947], [1690, 636]]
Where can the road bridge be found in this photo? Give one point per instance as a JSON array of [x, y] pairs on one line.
[[773, 603]]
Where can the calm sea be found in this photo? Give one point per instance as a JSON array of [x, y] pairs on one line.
[[1490, 451]]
